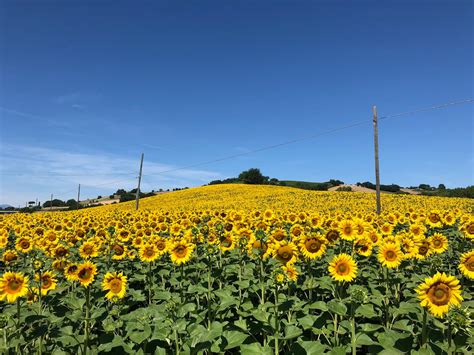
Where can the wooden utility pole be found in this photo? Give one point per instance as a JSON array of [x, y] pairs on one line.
[[51, 201], [376, 149], [139, 181], [78, 195]]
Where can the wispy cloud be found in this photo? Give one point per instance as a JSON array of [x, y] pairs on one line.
[[28, 172]]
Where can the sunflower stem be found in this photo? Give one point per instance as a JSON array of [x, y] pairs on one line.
[[18, 315], [86, 321], [423, 329], [40, 344], [353, 333], [209, 270], [176, 341], [181, 283], [277, 322], [150, 283]]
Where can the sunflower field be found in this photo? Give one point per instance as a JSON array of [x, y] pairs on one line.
[[241, 269]]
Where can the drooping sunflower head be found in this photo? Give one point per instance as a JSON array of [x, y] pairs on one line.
[[291, 272], [10, 256], [466, 264], [86, 273], [363, 246], [332, 235], [286, 253], [119, 251], [438, 293], [116, 285], [390, 255], [228, 242], [181, 252], [343, 268], [13, 285]]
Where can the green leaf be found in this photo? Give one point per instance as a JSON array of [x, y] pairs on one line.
[[366, 311], [233, 338], [241, 323], [364, 339], [307, 322], [369, 327], [139, 336], [292, 332], [261, 315], [255, 349], [337, 307], [313, 347], [319, 305]]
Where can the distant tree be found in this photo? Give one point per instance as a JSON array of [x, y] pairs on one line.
[[72, 203], [160, 190], [120, 192], [252, 176], [441, 187], [56, 203], [424, 187]]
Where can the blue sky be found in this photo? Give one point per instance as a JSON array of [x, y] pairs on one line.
[[86, 86]]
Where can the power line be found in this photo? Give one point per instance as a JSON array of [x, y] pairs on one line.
[[436, 107], [314, 136]]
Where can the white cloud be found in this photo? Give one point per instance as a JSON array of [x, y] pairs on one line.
[[28, 172]]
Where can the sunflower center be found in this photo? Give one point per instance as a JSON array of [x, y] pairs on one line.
[[25, 244], [470, 263], [347, 230], [46, 282], [285, 253], [84, 274], [313, 245], [14, 284], [149, 252], [332, 236], [434, 218], [437, 243], [115, 285], [470, 228], [118, 250], [439, 294], [342, 269], [423, 250], [60, 252], [180, 251], [390, 255], [88, 249], [161, 245]]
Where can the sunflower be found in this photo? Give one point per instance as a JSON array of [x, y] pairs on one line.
[[386, 229], [48, 282], [286, 253], [89, 250], [13, 285], [313, 246], [424, 249], [291, 272], [278, 235], [24, 244], [433, 219], [10, 256], [227, 242], [119, 251], [116, 284], [468, 228], [332, 235], [466, 264], [181, 252], [70, 272], [390, 255], [343, 268], [363, 246], [60, 252], [439, 292], [347, 230], [148, 252], [86, 273], [438, 242]]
